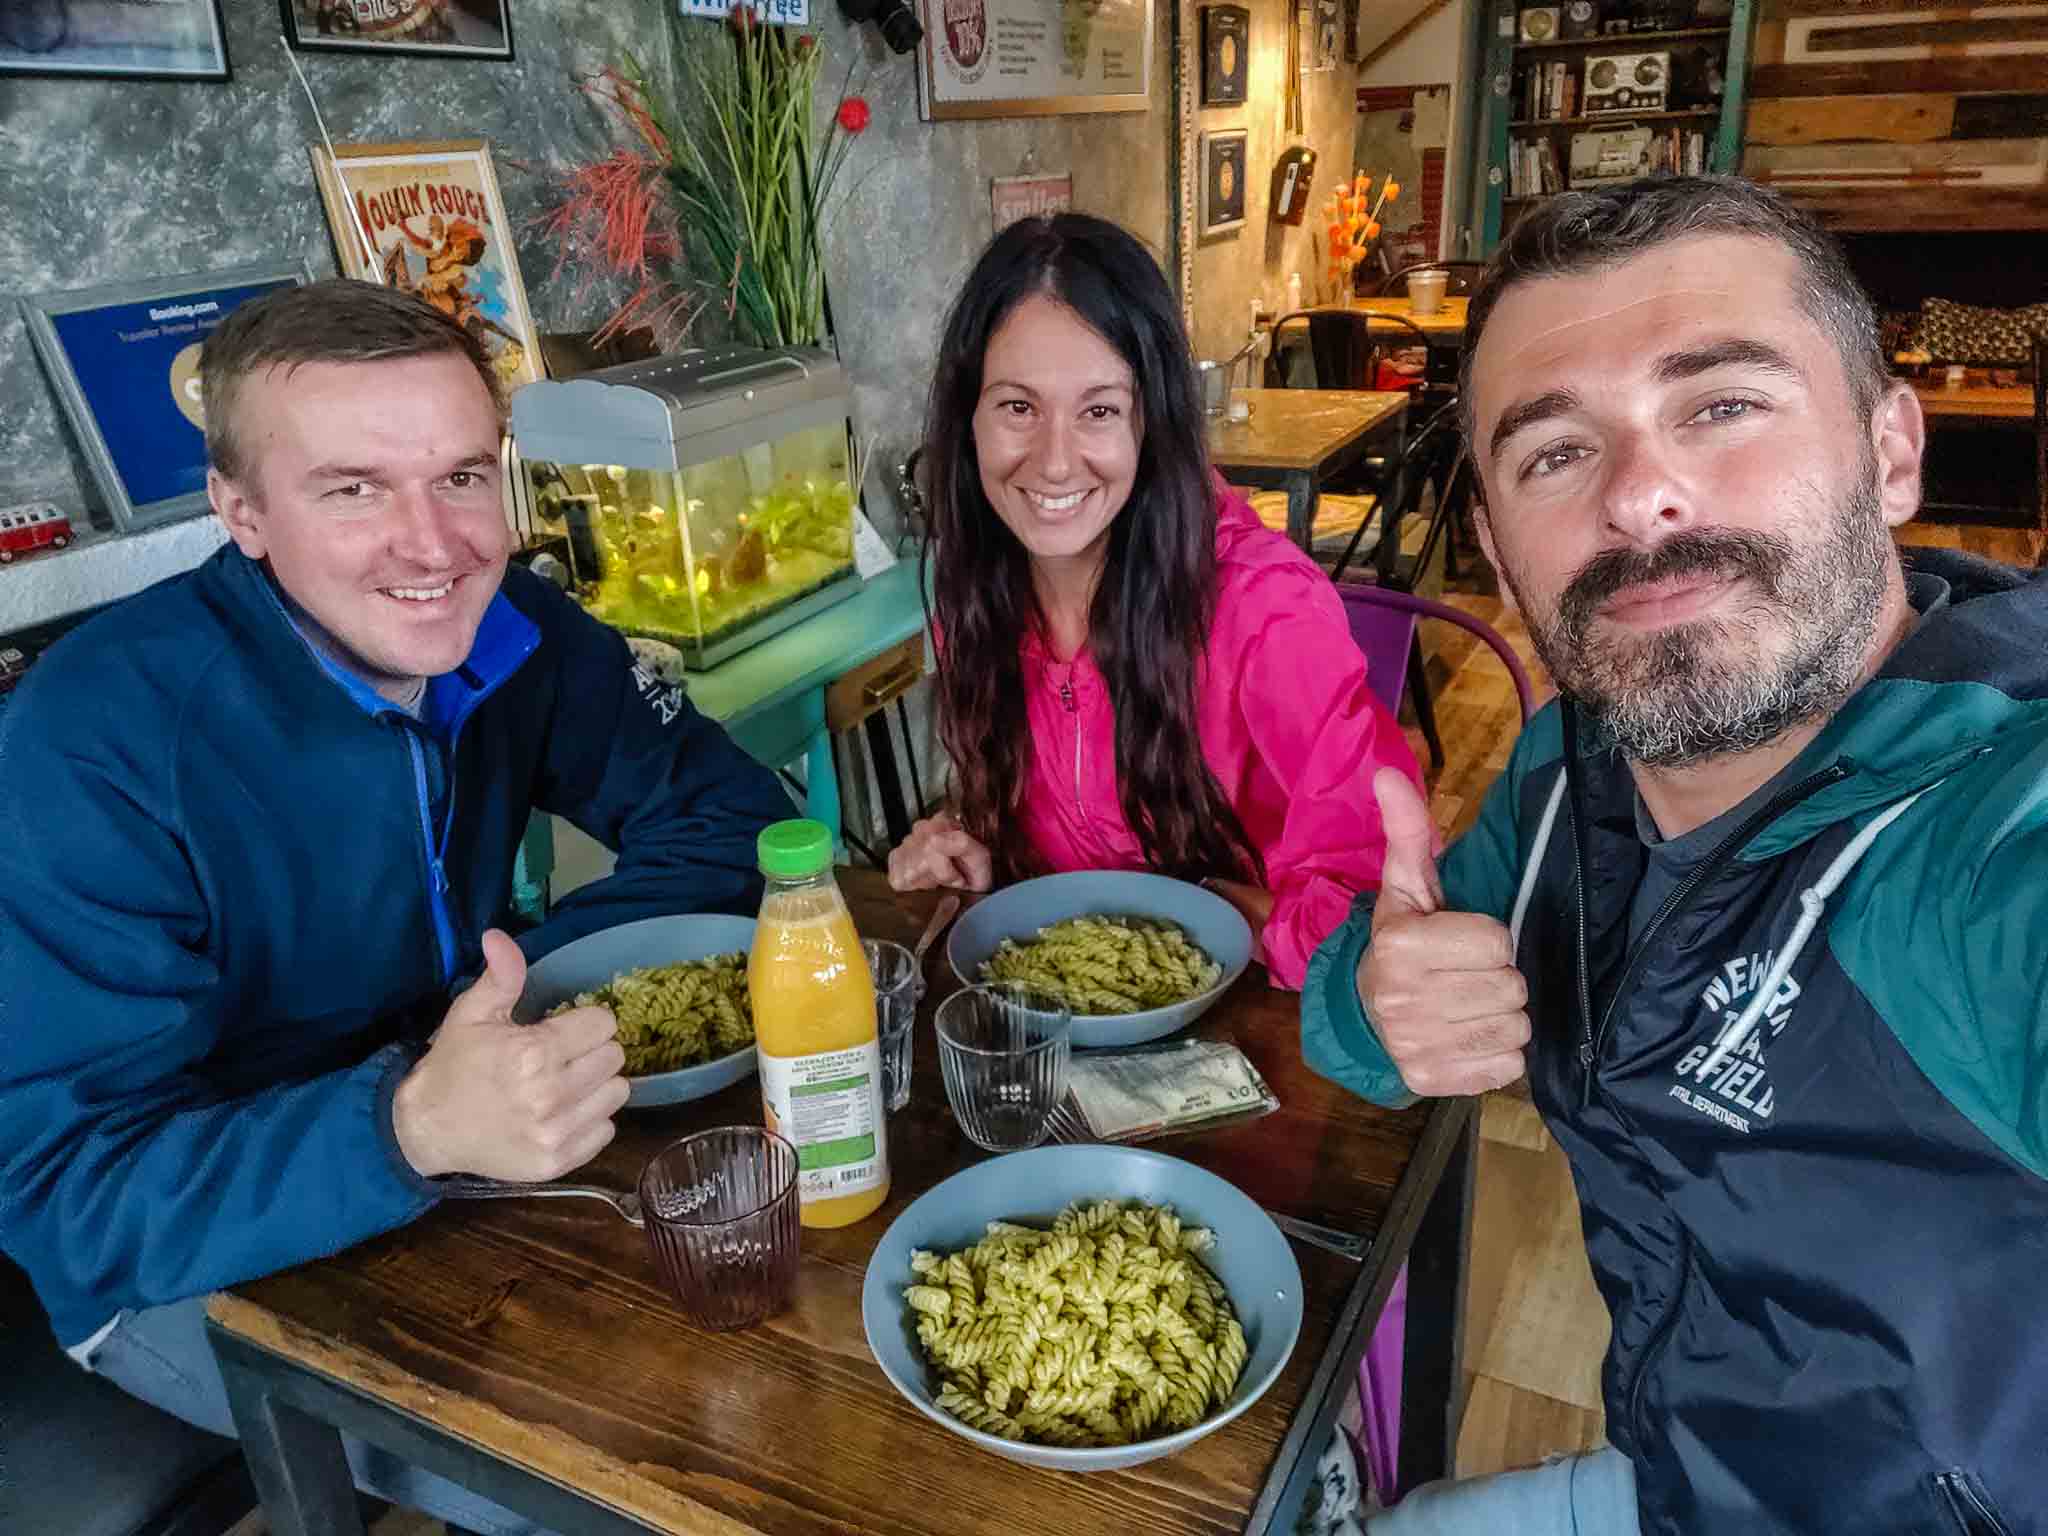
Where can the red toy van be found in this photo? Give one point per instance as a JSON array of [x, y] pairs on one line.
[[35, 526]]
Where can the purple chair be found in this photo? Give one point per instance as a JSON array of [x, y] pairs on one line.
[[1383, 622]]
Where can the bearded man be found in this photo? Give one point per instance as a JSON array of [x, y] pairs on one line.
[[1754, 902]]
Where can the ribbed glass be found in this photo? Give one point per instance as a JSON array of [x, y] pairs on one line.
[[897, 990], [721, 1213], [1003, 1050]]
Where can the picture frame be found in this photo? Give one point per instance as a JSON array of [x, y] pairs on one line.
[[461, 29], [1225, 176], [1226, 55], [1097, 58], [165, 40], [1329, 34], [123, 359], [429, 218]]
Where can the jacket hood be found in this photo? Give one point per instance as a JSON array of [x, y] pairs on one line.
[[1971, 678]]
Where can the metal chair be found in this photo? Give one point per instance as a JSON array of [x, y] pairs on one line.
[[1384, 622], [1346, 346], [1463, 277]]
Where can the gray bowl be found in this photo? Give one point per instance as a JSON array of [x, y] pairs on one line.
[[1019, 911], [1251, 1258], [594, 959]]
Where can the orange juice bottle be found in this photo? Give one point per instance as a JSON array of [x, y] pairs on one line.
[[814, 1021]]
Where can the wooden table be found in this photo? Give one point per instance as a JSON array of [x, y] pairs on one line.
[[1295, 440], [1448, 322], [526, 1349], [1976, 402]]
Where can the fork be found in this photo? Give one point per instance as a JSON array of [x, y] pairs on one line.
[[467, 1187], [1067, 1126]]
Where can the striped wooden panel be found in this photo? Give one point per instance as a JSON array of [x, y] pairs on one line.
[[1980, 163], [1902, 119], [1901, 114], [2011, 72]]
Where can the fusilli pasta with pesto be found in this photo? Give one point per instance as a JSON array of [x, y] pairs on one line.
[[673, 1016], [1105, 1330], [1108, 965]]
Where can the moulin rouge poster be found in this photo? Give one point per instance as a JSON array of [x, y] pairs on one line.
[[429, 219]]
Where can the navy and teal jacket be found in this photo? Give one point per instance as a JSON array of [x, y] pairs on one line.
[[1807, 1112], [238, 887]]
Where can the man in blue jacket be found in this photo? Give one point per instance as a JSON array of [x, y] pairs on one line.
[[261, 820], [1757, 906]]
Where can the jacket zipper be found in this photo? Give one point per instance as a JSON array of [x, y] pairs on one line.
[[437, 875], [1661, 1336], [1973, 1515], [1591, 1049], [1074, 709]]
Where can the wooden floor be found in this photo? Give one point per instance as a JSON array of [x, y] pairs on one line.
[[1535, 1328]]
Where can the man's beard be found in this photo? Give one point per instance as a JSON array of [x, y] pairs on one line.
[[1727, 684]]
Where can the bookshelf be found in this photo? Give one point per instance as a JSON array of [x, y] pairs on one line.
[[1531, 114]]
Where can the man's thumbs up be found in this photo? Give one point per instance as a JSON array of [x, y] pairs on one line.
[[493, 995], [1408, 879], [1440, 988], [507, 1100]]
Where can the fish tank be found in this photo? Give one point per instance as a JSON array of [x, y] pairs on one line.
[[705, 498]]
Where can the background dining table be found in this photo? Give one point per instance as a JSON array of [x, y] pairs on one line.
[[1299, 440], [527, 1350]]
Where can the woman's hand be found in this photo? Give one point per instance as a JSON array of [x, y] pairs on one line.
[[939, 853]]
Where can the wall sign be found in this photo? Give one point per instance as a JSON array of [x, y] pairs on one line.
[[1028, 197], [1033, 58]]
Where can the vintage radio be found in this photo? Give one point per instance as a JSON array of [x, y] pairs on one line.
[[1581, 18], [1604, 155], [1539, 24], [1627, 82]]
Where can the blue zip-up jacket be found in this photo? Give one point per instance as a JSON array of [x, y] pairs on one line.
[[228, 917], [1807, 1109]]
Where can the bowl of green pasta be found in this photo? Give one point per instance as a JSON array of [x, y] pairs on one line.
[[1083, 1308], [1136, 956], [678, 988]]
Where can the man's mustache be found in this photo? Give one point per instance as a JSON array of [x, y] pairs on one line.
[[1720, 552]]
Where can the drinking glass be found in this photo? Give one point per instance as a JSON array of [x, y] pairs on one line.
[[896, 993], [1003, 1050], [721, 1213]]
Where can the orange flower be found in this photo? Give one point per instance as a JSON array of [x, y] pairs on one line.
[[1357, 253], [1393, 190], [1372, 230]]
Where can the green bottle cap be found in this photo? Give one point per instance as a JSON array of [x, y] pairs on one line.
[[794, 850]]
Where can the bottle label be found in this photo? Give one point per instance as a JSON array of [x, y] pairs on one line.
[[829, 1106]]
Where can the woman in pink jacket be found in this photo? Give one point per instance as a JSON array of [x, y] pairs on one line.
[[1134, 673]]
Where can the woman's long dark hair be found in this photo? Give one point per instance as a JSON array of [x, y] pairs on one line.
[[1149, 620]]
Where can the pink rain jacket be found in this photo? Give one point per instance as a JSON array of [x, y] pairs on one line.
[[1288, 726]]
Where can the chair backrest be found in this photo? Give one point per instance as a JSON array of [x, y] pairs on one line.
[[1346, 344], [1383, 622], [1463, 277]]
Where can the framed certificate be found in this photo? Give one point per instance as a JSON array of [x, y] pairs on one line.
[[124, 361]]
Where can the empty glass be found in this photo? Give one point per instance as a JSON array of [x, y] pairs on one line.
[[896, 993], [1003, 1049], [721, 1212]]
